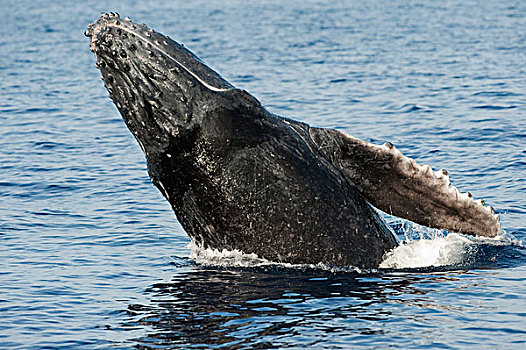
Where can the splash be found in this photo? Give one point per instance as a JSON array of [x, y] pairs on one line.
[[236, 258], [426, 247], [421, 247], [225, 258], [439, 251]]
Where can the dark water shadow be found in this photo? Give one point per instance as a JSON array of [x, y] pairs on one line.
[[278, 307]]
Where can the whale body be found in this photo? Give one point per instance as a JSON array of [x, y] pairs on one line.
[[240, 177]]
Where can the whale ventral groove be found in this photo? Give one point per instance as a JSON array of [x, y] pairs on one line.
[[240, 177]]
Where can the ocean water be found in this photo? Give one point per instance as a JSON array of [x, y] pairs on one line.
[[92, 256]]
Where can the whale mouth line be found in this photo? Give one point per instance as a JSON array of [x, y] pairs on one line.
[[114, 25]]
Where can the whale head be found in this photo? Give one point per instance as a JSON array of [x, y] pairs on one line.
[[162, 90]]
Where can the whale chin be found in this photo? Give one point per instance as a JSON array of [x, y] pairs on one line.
[[241, 178]]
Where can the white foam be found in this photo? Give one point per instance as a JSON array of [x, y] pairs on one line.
[[224, 258], [423, 247], [439, 251], [236, 258], [427, 247]]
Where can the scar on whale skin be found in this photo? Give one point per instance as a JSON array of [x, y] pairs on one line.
[[240, 177]]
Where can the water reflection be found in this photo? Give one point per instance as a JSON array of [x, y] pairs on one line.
[[267, 308], [273, 306]]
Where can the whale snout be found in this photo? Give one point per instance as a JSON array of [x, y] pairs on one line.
[[100, 31], [156, 83], [113, 36]]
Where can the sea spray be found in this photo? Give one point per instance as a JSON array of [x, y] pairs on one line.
[[439, 251], [238, 259]]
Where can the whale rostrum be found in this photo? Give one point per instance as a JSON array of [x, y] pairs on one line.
[[240, 177]]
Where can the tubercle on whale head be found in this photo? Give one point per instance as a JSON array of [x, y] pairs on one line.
[[159, 87]]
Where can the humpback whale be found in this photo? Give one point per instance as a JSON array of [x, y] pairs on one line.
[[240, 177]]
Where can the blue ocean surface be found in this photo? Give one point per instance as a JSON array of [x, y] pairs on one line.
[[92, 256]]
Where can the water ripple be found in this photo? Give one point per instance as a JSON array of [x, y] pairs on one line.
[[93, 257]]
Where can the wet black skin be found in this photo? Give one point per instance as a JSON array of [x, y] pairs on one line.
[[236, 176]]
